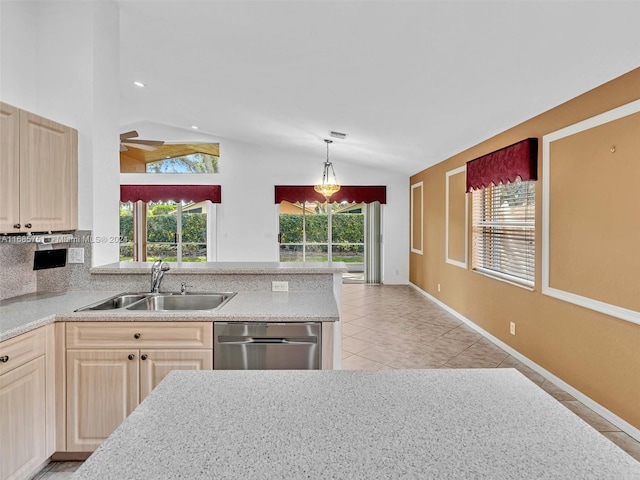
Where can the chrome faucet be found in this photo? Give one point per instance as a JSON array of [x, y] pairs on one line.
[[157, 272], [183, 288]]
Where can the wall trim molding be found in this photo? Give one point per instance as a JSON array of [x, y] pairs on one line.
[[451, 261], [592, 404], [414, 248], [586, 302]]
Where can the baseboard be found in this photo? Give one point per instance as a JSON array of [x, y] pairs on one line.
[[592, 404]]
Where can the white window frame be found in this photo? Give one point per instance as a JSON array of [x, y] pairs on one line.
[[496, 274]]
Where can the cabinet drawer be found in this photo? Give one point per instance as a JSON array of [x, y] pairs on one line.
[[139, 335], [22, 349]]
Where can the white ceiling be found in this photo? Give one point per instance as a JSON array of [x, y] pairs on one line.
[[412, 83]]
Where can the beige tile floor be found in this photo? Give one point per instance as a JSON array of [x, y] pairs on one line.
[[395, 327]]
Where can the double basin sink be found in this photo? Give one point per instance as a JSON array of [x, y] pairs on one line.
[[162, 302]]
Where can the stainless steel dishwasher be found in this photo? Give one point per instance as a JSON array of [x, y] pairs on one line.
[[267, 346]]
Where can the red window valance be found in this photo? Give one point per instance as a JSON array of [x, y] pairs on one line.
[[504, 165], [306, 193], [164, 193]]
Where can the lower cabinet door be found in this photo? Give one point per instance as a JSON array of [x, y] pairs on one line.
[[22, 420], [156, 364], [102, 389]]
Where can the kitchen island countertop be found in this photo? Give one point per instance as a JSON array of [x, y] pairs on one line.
[[446, 424]]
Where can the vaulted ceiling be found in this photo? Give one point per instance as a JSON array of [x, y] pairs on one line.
[[410, 82]]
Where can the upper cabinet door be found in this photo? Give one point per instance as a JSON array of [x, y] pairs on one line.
[[48, 175], [9, 168]]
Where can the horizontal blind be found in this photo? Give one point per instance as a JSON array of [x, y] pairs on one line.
[[504, 231]]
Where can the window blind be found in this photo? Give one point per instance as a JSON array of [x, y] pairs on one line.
[[504, 231]]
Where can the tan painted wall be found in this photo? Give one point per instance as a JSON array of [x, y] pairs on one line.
[[456, 220], [597, 354]]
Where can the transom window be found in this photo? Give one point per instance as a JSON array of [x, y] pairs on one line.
[[504, 231]]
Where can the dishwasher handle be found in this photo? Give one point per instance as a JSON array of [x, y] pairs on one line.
[[266, 340]]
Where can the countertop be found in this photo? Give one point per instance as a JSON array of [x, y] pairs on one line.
[[22, 314], [481, 424], [253, 268]]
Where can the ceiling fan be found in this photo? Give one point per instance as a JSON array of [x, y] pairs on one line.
[[128, 140]]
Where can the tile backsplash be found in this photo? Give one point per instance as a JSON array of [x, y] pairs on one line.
[[74, 276], [17, 276]]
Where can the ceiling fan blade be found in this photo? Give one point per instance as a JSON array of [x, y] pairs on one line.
[[141, 146], [156, 143], [127, 135], [123, 148]]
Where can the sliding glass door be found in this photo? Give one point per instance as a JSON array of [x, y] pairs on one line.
[[321, 232]]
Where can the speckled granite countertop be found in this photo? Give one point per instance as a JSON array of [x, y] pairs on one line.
[[441, 424], [21, 314], [254, 268]]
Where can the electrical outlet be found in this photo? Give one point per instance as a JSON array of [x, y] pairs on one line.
[[76, 255], [512, 328], [279, 286], [438, 288]]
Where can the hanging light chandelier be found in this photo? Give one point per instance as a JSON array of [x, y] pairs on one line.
[[327, 187]]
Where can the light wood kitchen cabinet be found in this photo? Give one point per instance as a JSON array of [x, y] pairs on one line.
[[160, 362], [27, 422], [102, 390], [9, 167], [111, 367], [39, 173]]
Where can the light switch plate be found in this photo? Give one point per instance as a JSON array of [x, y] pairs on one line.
[[75, 255], [279, 286]]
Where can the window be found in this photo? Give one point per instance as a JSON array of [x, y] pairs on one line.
[[171, 231], [171, 158], [193, 163], [304, 232], [504, 231]]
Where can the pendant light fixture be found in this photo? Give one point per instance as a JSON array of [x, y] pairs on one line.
[[328, 187]]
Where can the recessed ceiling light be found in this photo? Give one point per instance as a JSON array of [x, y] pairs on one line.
[[195, 127], [139, 84]]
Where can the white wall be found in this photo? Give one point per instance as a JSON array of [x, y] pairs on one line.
[[104, 219], [248, 217], [18, 41], [66, 69], [60, 60]]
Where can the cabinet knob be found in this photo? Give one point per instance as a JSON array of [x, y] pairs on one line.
[[136, 336], [16, 225], [4, 359], [131, 356], [27, 225], [144, 356]]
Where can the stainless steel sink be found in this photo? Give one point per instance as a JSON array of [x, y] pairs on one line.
[[193, 301], [170, 301], [119, 301]]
